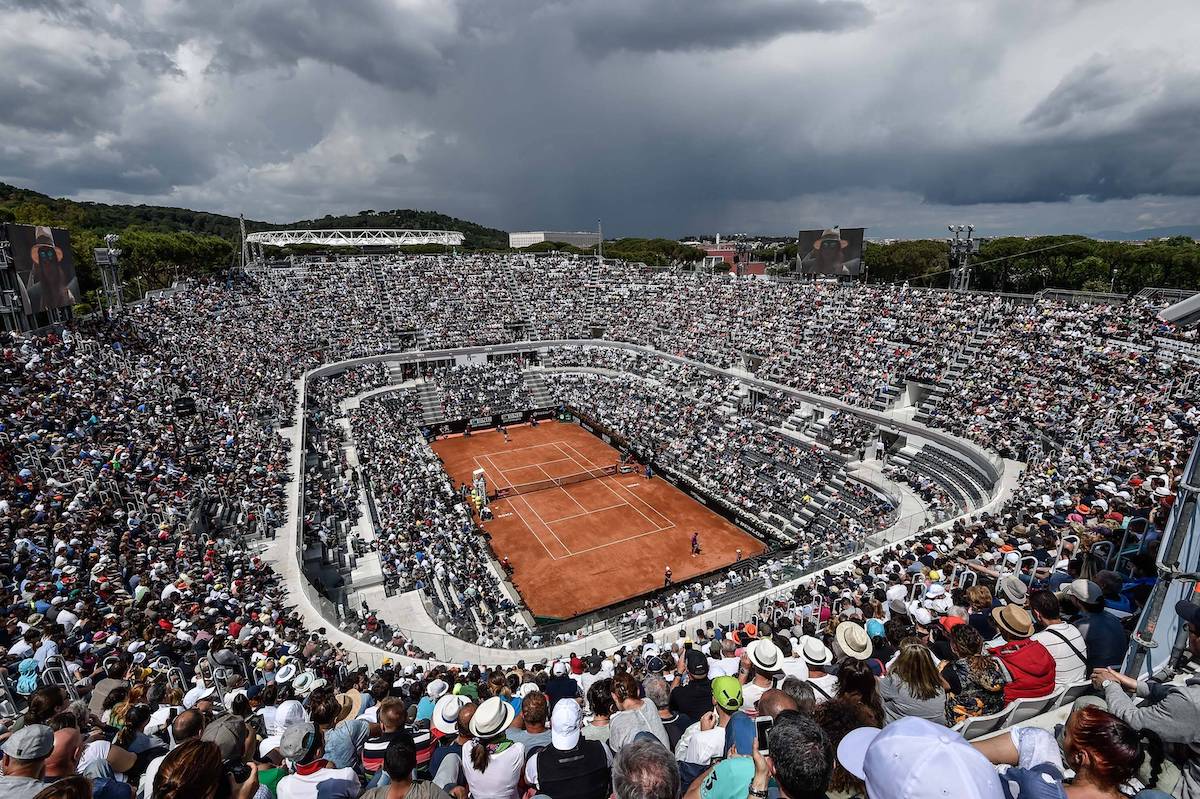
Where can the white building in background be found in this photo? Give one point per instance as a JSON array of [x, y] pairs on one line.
[[577, 239]]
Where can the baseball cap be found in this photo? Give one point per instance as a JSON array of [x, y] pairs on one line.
[[727, 692], [1082, 590], [30, 743], [915, 759], [697, 663], [566, 721], [298, 741]]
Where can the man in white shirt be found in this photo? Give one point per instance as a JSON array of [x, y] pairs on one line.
[[1064, 641]]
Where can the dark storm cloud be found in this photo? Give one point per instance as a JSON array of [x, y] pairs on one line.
[[526, 113], [1093, 86], [48, 93], [379, 41], [605, 26]]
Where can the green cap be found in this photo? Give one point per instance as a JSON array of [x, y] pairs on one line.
[[727, 693]]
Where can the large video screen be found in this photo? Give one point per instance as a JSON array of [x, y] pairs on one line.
[[832, 251], [45, 267]]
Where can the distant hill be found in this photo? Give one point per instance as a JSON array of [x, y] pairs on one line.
[[104, 218], [1191, 231]]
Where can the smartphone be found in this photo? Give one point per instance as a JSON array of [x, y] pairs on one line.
[[764, 729]]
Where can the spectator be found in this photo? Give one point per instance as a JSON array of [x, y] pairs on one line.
[[1104, 638], [1028, 666], [600, 701], [534, 713], [914, 757], [655, 689], [705, 739], [856, 681], [762, 665], [492, 763], [24, 761], [313, 777], [645, 770], [561, 684], [399, 762], [913, 687], [572, 767], [1063, 641], [193, 770], [818, 658], [975, 682], [1104, 753], [693, 699], [839, 717], [186, 726], [634, 715], [801, 693]]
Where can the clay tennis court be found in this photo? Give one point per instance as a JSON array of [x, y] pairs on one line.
[[585, 545]]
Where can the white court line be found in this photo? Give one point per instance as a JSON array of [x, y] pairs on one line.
[[499, 472], [618, 496], [619, 541], [533, 510], [517, 449], [529, 527], [585, 513], [566, 493]]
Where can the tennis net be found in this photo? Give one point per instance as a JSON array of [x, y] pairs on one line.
[[554, 482]]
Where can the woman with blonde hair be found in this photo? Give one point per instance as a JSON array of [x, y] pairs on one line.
[[913, 686]]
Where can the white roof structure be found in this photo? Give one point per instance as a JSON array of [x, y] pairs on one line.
[[356, 237]]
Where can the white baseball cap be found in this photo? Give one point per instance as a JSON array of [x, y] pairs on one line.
[[566, 722], [915, 759]]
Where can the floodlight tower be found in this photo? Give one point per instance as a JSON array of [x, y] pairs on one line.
[[962, 246]]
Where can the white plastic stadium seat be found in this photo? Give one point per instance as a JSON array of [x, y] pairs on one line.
[[1073, 692], [1024, 709], [982, 725]]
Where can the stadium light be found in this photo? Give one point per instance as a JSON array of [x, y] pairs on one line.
[[961, 247]]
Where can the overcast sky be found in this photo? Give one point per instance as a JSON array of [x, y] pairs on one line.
[[662, 117]]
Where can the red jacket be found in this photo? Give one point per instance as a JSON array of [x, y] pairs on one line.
[[1031, 667]]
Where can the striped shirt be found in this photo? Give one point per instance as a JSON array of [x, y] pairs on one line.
[[1068, 667]]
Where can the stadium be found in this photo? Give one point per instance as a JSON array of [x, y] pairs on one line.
[[589, 399], [422, 462]]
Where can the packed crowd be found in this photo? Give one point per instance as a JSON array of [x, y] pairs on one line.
[[481, 389], [674, 416], [426, 536], [148, 649]]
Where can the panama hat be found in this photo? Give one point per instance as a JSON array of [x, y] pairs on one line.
[[764, 655], [286, 674], [853, 640], [492, 718], [814, 652], [303, 682], [445, 713], [1014, 620]]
